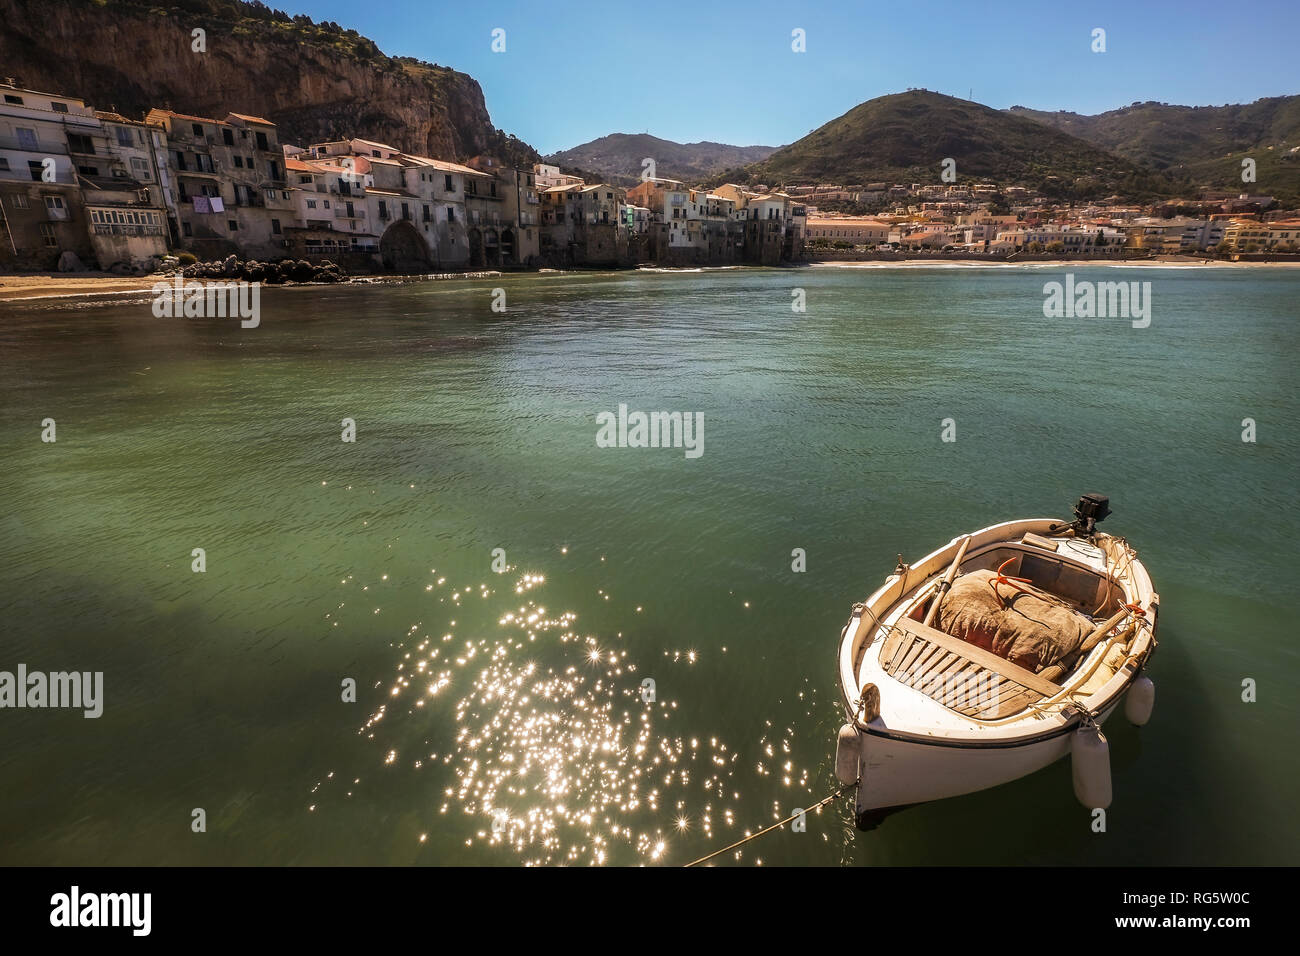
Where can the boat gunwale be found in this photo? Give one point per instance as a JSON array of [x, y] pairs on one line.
[[1004, 735]]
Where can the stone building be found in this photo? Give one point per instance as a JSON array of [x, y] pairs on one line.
[[43, 138]]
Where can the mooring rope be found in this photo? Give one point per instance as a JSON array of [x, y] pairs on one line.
[[754, 836]]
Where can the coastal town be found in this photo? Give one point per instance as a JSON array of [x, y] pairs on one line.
[[84, 189]]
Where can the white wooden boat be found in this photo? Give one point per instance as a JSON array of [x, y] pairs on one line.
[[992, 657]]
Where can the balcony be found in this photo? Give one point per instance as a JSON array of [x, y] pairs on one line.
[[342, 213], [45, 147], [62, 177], [126, 229]]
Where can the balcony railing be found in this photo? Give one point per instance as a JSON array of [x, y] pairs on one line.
[[126, 229], [62, 177], [47, 147]]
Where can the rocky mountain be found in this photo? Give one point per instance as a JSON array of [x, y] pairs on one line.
[[618, 157], [905, 137], [317, 81]]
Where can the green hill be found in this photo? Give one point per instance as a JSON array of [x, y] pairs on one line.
[[1198, 145], [904, 137]]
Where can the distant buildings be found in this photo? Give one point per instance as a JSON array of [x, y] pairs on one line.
[[81, 187]]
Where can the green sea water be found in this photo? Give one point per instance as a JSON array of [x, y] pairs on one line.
[[500, 715]]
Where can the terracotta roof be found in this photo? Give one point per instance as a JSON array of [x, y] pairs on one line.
[[252, 119], [446, 166], [185, 116], [848, 223]]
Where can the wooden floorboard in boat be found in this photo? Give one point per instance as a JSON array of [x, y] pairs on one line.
[[952, 672]]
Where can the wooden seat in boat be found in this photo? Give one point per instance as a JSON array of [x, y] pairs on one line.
[[961, 676]]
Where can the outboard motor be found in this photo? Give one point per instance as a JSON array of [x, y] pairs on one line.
[[1090, 510]]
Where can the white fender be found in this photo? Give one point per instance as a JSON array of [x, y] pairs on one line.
[[846, 755], [1140, 701], [1090, 762]]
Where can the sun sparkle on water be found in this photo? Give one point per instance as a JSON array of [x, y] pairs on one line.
[[556, 762]]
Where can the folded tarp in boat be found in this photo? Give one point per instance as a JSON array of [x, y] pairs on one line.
[[1017, 621]]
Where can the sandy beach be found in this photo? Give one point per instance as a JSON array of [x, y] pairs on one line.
[[46, 286], [16, 288], [1170, 262]]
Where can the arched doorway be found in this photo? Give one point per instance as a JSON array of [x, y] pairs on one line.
[[491, 248], [403, 249], [508, 254]]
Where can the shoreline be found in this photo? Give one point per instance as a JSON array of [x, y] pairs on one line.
[[1157, 262], [45, 286]]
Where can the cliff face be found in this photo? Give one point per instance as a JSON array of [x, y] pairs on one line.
[[314, 83]]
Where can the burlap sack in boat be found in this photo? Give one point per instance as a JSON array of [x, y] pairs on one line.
[[1026, 629]]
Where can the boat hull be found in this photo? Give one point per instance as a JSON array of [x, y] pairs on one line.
[[895, 772]]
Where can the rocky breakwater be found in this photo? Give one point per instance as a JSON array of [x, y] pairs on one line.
[[272, 273]]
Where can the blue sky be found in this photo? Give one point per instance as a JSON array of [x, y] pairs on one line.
[[724, 70]]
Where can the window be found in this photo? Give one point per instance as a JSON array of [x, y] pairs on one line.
[[88, 170], [54, 207], [327, 203], [261, 141], [197, 129], [383, 209], [239, 162], [187, 229], [311, 204], [20, 202], [123, 136], [47, 233], [448, 184], [451, 214], [59, 107], [275, 227], [140, 169], [270, 194], [248, 160], [426, 214], [4, 163], [35, 169], [228, 136], [80, 144], [233, 226], [284, 194], [15, 100]]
